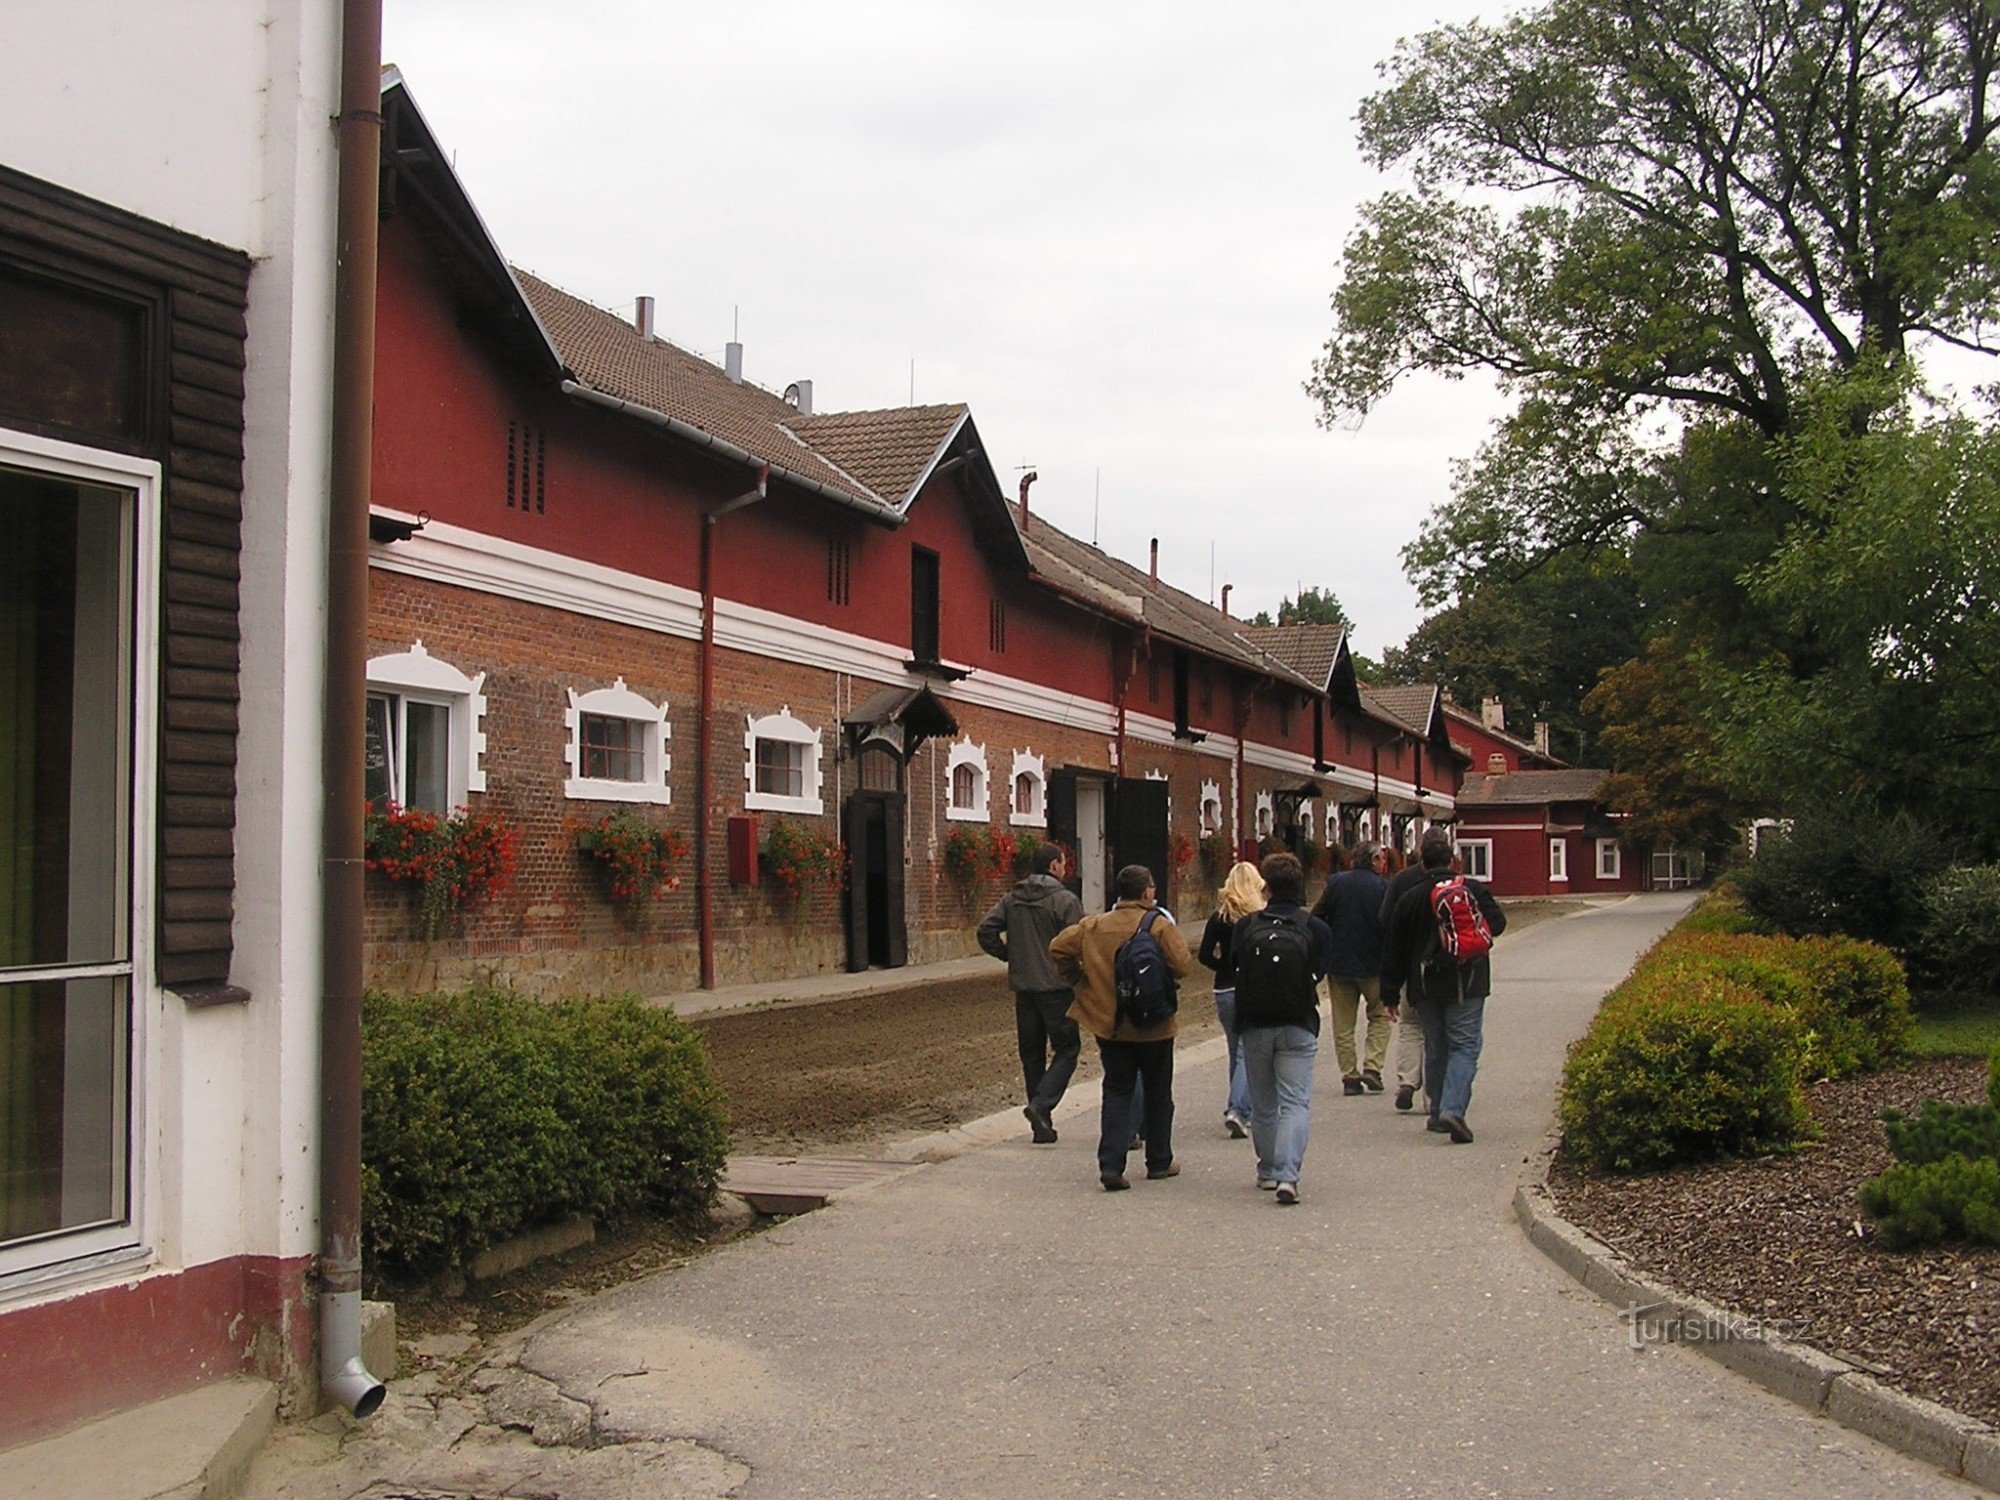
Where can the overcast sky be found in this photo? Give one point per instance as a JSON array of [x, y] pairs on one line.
[[1111, 229]]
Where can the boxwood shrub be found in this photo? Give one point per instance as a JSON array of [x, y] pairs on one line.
[[486, 1113], [1921, 1203], [1683, 1065]]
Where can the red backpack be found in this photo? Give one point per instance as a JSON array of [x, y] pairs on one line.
[[1462, 933]]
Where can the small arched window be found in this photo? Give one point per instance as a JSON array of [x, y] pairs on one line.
[[1028, 792], [965, 786]]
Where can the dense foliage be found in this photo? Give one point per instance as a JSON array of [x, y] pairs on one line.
[[1945, 1184], [487, 1113], [636, 858], [452, 862]]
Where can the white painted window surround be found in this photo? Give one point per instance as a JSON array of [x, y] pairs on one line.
[[1478, 855], [780, 730], [967, 789], [650, 719], [1559, 859], [1267, 814], [1610, 860], [1211, 808], [1028, 805], [417, 676]]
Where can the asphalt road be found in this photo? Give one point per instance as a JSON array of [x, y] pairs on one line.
[[996, 1325]]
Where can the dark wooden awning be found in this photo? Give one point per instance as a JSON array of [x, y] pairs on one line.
[[904, 716]]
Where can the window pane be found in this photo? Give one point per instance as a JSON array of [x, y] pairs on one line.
[[964, 787], [64, 717], [378, 750], [781, 768], [613, 749], [426, 768], [62, 1105]]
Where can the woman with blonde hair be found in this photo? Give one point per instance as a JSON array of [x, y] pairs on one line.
[[1242, 893]]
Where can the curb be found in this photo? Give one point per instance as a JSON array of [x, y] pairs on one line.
[[1829, 1387]]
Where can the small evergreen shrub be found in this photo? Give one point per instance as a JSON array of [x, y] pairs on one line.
[[1957, 945], [1683, 1066], [1956, 1198], [1940, 1130], [486, 1113]]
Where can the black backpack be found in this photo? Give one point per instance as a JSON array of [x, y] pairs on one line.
[[1274, 971], [1148, 993]]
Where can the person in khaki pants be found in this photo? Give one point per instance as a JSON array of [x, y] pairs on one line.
[[1351, 907]]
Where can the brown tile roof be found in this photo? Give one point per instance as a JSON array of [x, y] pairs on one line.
[[1518, 788], [1410, 706], [1309, 650], [1123, 589], [888, 450], [607, 354], [1459, 711]]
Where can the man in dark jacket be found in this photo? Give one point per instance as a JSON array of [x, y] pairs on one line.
[[1351, 907], [1019, 930], [1449, 998], [1281, 954]]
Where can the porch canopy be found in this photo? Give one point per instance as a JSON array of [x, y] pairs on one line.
[[903, 716]]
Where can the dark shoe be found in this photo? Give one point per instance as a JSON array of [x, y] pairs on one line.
[[1406, 1096], [1040, 1123], [1137, 1142], [1114, 1182], [1435, 1125], [1350, 1085], [1371, 1080], [1288, 1194], [1171, 1169], [1457, 1129]]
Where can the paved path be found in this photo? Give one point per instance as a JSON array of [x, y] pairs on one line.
[[996, 1325]]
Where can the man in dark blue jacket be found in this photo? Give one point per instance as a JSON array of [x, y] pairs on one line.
[[1450, 998], [1281, 954], [1351, 907]]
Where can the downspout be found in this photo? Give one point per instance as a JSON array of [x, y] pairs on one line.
[[342, 1375], [704, 755]]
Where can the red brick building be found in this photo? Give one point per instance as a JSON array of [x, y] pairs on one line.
[[610, 576]]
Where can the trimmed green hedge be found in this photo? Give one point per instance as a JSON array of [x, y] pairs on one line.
[[486, 1113], [1682, 1066]]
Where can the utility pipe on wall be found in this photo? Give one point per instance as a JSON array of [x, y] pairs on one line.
[[343, 1376]]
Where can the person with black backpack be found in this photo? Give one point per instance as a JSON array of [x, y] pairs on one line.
[[1126, 965], [1281, 955], [1441, 932]]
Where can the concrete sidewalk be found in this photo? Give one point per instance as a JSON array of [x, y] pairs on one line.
[[836, 985], [997, 1325]]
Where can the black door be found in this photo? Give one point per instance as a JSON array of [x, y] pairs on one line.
[[1139, 829], [1062, 820], [876, 933]]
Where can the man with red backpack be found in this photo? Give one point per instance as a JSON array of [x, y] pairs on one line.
[[1441, 932]]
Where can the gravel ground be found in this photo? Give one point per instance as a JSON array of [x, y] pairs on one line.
[[1782, 1239]]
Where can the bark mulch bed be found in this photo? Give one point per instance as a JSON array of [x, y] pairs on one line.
[[1782, 1239]]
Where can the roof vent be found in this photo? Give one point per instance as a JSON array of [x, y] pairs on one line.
[[1492, 714], [642, 317], [732, 362], [798, 396], [1225, 596], [1153, 568], [1542, 737]]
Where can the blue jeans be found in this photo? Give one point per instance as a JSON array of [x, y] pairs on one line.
[[1239, 1077], [1279, 1060], [1453, 1035]]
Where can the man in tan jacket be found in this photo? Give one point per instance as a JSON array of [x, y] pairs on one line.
[[1086, 955]]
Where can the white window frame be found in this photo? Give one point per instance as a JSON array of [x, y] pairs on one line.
[[784, 727], [1266, 818], [979, 809], [417, 676], [1478, 856], [1559, 859], [1613, 868], [1364, 827], [1032, 766], [1211, 796], [619, 702], [67, 1256]]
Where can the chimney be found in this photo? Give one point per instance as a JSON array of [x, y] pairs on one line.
[[642, 317], [799, 396], [1496, 764], [1026, 479], [1492, 714], [1225, 596], [732, 362], [1153, 570], [1542, 737]]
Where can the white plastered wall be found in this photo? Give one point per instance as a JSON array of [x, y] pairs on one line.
[[216, 119]]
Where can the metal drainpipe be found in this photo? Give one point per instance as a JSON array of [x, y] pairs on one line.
[[343, 1377], [704, 756]]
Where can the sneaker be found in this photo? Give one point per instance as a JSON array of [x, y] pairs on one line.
[[1457, 1129], [1114, 1182], [1235, 1126], [1039, 1122], [1265, 1184], [1171, 1169], [1288, 1194], [1371, 1080], [1350, 1085], [1406, 1096], [1435, 1125]]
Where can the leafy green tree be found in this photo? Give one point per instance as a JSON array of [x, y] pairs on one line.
[[1655, 729], [1313, 606]]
